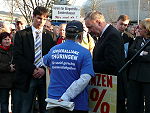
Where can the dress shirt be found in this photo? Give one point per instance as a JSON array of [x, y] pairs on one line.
[[107, 25], [34, 30]]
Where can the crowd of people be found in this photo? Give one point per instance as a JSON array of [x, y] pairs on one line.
[[73, 52]]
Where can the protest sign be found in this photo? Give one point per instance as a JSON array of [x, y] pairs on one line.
[[65, 12], [103, 94]]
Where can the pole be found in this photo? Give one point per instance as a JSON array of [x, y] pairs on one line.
[[139, 11], [148, 6], [12, 10]]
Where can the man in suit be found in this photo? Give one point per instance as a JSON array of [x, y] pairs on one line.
[[29, 47], [108, 54], [121, 26]]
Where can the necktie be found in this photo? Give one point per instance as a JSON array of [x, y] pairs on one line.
[[38, 50]]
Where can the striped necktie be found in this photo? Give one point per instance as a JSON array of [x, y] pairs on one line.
[[38, 50]]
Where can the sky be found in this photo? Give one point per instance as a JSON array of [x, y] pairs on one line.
[[79, 2], [5, 7]]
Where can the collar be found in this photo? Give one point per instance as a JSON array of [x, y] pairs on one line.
[[34, 29], [107, 25], [5, 48]]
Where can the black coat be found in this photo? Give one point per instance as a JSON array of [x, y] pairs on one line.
[[6, 77], [108, 57], [108, 54], [140, 67], [24, 55]]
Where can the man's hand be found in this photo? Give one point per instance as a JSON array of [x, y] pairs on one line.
[[12, 69], [145, 53], [38, 72], [35, 73]]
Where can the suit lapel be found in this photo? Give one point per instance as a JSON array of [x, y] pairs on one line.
[[31, 39], [101, 39], [43, 37]]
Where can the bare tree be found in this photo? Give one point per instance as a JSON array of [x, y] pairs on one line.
[[10, 6], [111, 13], [91, 5], [26, 7]]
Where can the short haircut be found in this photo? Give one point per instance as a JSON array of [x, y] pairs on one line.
[[94, 15], [39, 10], [19, 22], [123, 17], [3, 35], [146, 24]]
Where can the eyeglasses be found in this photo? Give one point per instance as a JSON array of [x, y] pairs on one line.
[[122, 24]]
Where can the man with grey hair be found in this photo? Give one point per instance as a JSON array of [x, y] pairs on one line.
[[108, 54]]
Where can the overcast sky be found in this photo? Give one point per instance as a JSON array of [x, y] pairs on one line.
[[79, 2], [3, 6]]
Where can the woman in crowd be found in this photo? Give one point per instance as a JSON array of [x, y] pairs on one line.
[[6, 70], [139, 74]]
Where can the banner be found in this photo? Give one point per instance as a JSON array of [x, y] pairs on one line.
[[65, 12], [103, 94]]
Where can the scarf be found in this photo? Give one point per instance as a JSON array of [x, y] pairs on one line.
[[5, 48]]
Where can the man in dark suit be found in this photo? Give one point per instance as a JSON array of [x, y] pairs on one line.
[[108, 54], [121, 26], [29, 47]]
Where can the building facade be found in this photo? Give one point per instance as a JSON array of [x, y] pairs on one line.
[[113, 8]]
